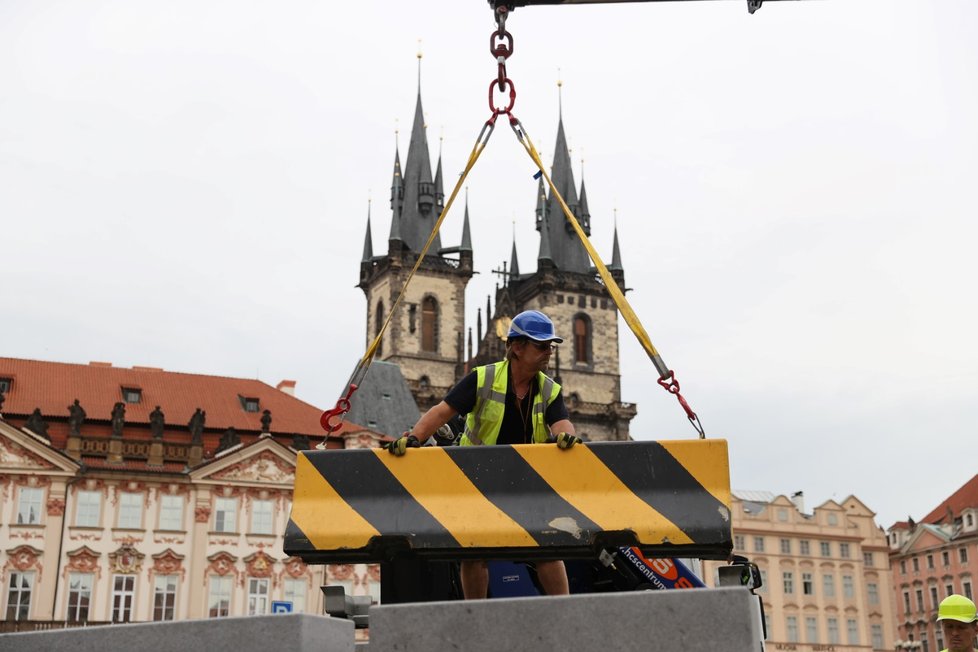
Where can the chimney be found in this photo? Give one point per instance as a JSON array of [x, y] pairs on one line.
[[798, 498], [95, 363], [287, 387]]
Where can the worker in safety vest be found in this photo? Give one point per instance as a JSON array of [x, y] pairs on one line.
[[508, 402], [959, 622]]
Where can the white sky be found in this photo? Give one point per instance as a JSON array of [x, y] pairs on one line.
[[185, 185]]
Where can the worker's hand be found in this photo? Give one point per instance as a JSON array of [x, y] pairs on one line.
[[400, 445], [565, 440]]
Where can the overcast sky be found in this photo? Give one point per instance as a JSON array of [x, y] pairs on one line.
[[186, 184]]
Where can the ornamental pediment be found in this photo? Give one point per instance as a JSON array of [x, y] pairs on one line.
[[263, 467], [21, 451]]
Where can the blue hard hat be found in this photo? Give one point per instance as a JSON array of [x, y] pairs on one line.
[[534, 325]]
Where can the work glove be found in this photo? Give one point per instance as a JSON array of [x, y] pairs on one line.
[[565, 440], [400, 445]]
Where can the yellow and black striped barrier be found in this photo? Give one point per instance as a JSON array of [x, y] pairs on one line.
[[669, 498]]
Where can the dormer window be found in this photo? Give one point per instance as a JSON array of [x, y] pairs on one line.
[[132, 394], [5, 385], [249, 404]]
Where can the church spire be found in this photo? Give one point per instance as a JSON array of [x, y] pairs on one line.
[[368, 245], [419, 210], [514, 263], [397, 195], [466, 231], [566, 250]]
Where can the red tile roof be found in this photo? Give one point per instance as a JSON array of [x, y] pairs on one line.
[[966, 496], [52, 386]]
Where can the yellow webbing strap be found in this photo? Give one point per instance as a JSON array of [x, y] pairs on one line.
[[616, 294]]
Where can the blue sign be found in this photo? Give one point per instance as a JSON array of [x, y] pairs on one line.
[[281, 606]]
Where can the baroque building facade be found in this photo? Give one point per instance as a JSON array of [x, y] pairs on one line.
[[930, 560], [425, 337], [826, 578], [153, 496]]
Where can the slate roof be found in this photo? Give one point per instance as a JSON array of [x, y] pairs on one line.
[[383, 402]]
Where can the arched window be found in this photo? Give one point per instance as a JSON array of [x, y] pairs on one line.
[[378, 325], [429, 324], [582, 339]]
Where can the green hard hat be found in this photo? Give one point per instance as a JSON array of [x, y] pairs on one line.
[[957, 607]]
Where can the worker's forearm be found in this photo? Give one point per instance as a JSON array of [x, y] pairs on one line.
[[564, 425], [432, 420]]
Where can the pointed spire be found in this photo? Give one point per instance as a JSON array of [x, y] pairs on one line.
[[368, 245], [514, 264], [397, 195], [565, 249], [616, 252], [418, 211], [439, 190], [488, 311], [478, 324], [466, 231], [583, 214]]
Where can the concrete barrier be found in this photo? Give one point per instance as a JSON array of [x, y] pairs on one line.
[[692, 620], [290, 632]]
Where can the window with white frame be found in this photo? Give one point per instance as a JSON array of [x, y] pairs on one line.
[[79, 597], [906, 602], [833, 518], [963, 555], [225, 510], [123, 594], [868, 559], [257, 596], [739, 542], [930, 562], [88, 509], [130, 510], [852, 631], [29, 506], [804, 547], [788, 579], [164, 596], [758, 544], [833, 629], [294, 591], [948, 589], [825, 548], [946, 558], [844, 550], [20, 589], [966, 589], [785, 546], [828, 585], [934, 600], [171, 512], [219, 596], [261, 517], [791, 624]]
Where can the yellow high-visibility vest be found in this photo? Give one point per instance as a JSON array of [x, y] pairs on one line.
[[486, 418]]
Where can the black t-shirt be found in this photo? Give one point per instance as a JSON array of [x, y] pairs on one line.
[[517, 426]]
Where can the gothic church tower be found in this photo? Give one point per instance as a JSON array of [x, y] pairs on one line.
[[425, 335]]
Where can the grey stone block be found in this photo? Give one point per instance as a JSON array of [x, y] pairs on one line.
[[693, 620], [289, 632]]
